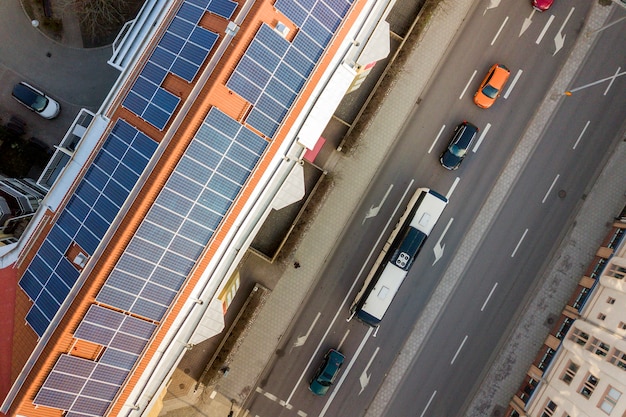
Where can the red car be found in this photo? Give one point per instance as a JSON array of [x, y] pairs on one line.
[[542, 5]]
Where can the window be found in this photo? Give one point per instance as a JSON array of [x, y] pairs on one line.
[[610, 399], [580, 337], [549, 409], [610, 300], [570, 372], [601, 316], [589, 385], [618, 358], [598, 347], [617, 271]]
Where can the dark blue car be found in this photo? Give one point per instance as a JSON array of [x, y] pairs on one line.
[[327, 372], [461, 141]]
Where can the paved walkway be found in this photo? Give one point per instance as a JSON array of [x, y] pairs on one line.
[[327, 228]]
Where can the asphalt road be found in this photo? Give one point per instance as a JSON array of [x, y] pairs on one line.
[[568, 155]]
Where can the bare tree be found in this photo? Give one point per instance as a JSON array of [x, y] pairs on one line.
[[100, 17]]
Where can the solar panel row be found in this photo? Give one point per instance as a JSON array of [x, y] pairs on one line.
[[183, 218], [273, 71], [181, 51], [88, 387], [85, 219]]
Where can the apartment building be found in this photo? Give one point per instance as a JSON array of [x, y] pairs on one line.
[[581, 369], [154, 199]]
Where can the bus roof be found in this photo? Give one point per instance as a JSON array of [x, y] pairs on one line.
[[429, 211], [383, 292]]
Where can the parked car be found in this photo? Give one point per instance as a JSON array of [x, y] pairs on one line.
[[462, 138], [327, 372], [36, 100], [492, 85], [542, 5]]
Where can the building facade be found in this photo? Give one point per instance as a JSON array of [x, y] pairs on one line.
[[581, 369], [154, 199]]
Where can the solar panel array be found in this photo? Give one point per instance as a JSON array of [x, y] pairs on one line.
[[181, 51], [273, 71], [184, 216], [84, 387], [85, 219]]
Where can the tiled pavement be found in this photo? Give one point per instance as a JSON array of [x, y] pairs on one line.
[[353, 174]]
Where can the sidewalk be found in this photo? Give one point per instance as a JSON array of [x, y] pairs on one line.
[[327, 228]]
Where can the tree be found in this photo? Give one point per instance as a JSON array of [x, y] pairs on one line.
[[101, 18]]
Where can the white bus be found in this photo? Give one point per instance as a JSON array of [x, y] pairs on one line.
[[397, 256]]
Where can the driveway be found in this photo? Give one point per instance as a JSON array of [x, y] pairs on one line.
[[75, 77]]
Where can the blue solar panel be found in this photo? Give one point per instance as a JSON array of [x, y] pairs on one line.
[[152, 71], [37, 320], [31, 286], [181, 27], [244, 87], [326, 16], [144, 87], [190, 12], [135, 103], [253, 71], [223, 8], [301, 64], [184, 69], [272, 40], [200, 3], [262, 123], [292, 10], [193, 53], [271, 108], [162, 57], [317, 31], [202, 37], [260, 53], [118, 358], [308, 46]]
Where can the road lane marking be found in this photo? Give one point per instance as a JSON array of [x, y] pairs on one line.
[[302, 339], [364, 379], [559, 38], [275, 399], [428, 403], [482, 136], [489, 296], [612, 80], [373, 211], [345, 299], [581, 134], [527, 22], [454, 184], [438, 248], [492, 5], [346, 371], [596, 82], [458, 350], [499, 30], [545, 197], [545, 29], [519, 243], [343, 339], [519, 74], [468, 84], [437, 138]]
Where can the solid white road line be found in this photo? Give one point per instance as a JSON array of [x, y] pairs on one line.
[[346, 371], [519, 243], [499, 30], [458, 350], [482, 136], [468, 84], [343, 339], [581, 134], [437, 138], [545, 29], [489, 296], [454, 184], [508, 91], [428, 404], [550, 189]]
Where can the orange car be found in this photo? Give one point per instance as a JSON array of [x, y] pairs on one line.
[[492, 86]]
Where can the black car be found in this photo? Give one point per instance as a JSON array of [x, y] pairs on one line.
[[460, 142]]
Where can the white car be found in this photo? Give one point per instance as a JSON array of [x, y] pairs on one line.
[[36, 100]]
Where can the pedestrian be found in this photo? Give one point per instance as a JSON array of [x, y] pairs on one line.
[[296, 264]]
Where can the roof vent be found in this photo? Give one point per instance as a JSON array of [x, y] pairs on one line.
[[282, 29]]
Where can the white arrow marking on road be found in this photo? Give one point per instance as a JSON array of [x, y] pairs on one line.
[[302, 339], [438, 249], [492, 5], [559, 39], [527, 23], [364, 379], [373, 211]]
